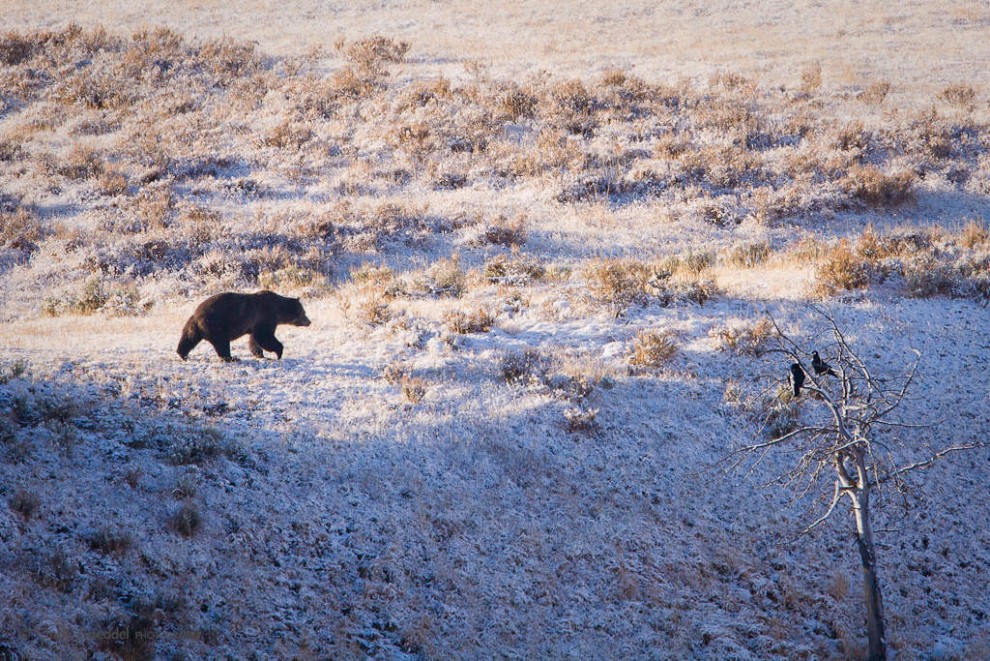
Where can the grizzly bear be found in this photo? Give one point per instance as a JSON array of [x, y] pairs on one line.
[[228, 316]]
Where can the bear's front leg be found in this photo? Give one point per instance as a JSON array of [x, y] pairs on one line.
[[223, 350], [255, 348]]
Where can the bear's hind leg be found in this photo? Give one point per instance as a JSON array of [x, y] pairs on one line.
[[268, 342]]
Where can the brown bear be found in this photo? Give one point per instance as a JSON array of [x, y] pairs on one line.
[[228, 316]]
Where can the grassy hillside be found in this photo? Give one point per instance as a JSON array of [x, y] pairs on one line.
[[539, 287]]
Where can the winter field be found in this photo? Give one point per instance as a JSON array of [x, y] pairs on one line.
[[541, 248]]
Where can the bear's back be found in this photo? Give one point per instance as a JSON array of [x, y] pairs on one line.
[[231, 314]]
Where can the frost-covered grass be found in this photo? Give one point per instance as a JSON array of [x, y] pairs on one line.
[[137, 169], [538, 333], [310, 503]]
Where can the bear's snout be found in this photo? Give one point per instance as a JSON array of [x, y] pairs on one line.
[[302, 320]]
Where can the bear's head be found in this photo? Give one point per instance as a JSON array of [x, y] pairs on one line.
[[291, 312]]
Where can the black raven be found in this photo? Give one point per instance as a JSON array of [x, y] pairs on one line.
[[820, 366], [797, 378]]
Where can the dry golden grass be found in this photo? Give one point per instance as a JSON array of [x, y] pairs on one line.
[[413, 389], [653, 348], [928, 261], [974, 235], [186, 139], [748, 339], [478, 320], [617, 282], [842, 269], [878, 189]]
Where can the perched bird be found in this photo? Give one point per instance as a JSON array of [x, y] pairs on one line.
[[797, 378], [820, 366]]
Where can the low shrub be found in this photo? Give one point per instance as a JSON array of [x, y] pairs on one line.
[[448, 278], [517, 270], [524, 367], [505, 232], [926, 276], [394, 373], [413, 389], [872, 186], [653, 348], [22, 230], [748, 255], [25, 503], [841, 269], [580, 419], [109, 541], [617, 282], [201, 446], [479, 320], [186, 520], [748, 339], [974, 235], [875, 93], [960, 95]]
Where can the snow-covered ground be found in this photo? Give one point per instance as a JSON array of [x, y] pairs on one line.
[[395, 489], [346, 521]]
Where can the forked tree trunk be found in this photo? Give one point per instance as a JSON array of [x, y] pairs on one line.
[[871, 585]]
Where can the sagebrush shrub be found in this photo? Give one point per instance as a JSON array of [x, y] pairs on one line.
[[16, 48], [961, 95], [110, 540], [841, 269], [748, 339], [926, 276], [524, 366], [375, 52], [875, 94], [374, 309], [479, 320], [617, 282], [448, 278], [413, 389], [974, 234], [81, 163], [55, 571], [202, 446], [112, 182], [505, 232], [22, 230], [580, 419], [394, 373], [781, 413], [25, 503], [748, 255], [869, 184], [811, 78], [520, 270], [186, 520], [653, 348]]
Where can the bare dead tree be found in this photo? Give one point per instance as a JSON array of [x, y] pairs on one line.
[[839, 433]]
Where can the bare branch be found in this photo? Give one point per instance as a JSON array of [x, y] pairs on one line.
[[899, 397], [932, 459], [824, 517], [781, 439]]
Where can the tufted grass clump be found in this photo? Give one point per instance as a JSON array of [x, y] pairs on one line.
[[463, 322], [653, 348], [841, 269], [186, 520], [878, 189]]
